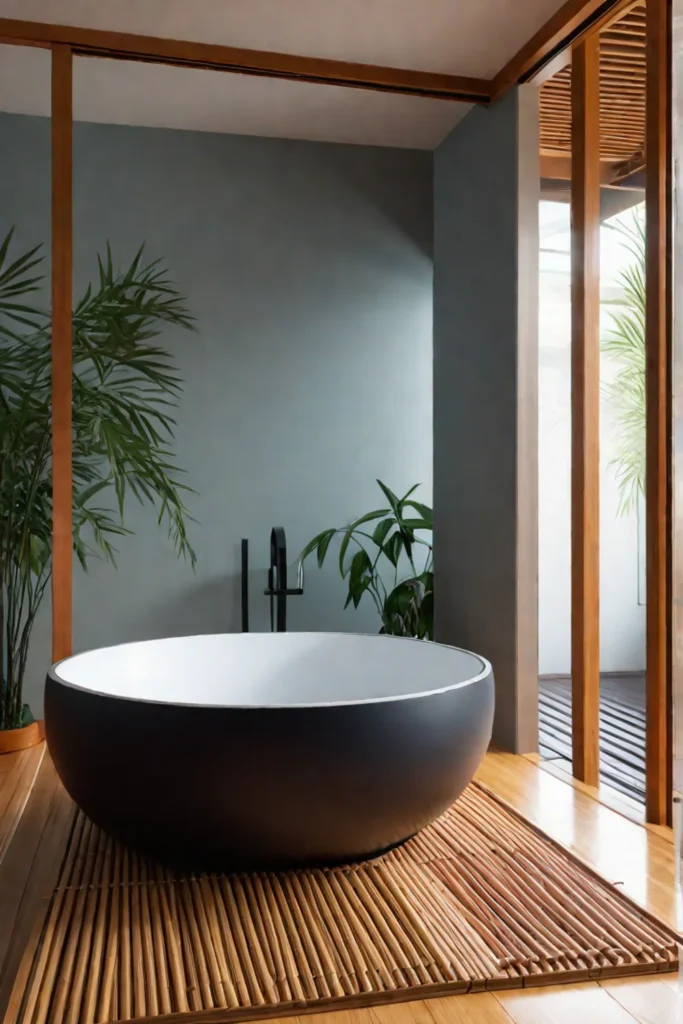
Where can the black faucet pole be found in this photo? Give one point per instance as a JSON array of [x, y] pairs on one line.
[[245, 585], [277, 579]]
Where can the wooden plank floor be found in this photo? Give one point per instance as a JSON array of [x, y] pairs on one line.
[[622, 728], [638, 859]]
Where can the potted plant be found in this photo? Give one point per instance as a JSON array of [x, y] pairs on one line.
[[404, 602], [125, 388]]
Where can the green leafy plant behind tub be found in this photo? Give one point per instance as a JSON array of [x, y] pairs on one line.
[[125, 391], [372, 557]]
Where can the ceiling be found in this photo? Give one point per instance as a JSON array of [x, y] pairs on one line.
[[448, 36]]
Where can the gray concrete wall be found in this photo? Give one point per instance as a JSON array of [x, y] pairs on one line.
[[309, 269], [486, 184]]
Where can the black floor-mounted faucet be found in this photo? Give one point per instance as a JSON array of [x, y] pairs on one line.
[[277, 588]]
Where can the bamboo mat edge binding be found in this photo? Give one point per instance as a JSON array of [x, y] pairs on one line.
[[481, 899]]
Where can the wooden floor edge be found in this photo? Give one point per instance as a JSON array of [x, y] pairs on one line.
[[582, 863], [22, 806], [604, 794]]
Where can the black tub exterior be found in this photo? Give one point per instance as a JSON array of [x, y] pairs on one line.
[[230, 787]]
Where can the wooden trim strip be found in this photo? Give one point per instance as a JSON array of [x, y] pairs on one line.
[[62, 247], [658, 413], [125, 46], [585, 300]]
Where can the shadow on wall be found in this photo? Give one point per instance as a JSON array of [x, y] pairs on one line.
[[410, 212]]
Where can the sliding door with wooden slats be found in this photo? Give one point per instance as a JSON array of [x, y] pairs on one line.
[[585, 290]]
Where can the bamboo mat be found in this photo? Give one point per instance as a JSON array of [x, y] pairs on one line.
[[477, 900]]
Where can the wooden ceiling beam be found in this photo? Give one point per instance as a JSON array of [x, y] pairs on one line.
[[559, 168], [151, 49]]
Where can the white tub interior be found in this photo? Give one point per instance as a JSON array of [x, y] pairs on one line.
[[271, 669]]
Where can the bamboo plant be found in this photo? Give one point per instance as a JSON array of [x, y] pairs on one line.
[[404, 603], [624, 343], [125, 390]]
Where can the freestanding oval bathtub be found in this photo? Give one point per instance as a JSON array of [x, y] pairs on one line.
[[267, 749]]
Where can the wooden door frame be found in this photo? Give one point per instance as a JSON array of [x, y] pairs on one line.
[[658, 390], [62, 261], [585, 390]]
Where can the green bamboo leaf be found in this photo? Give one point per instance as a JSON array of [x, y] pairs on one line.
[[394, 502], [407, 495], [362, 586], [368, 518], [381, 530], [324, 545], [83, 496], [417, 524], [346, 540], [313, 544], [424, 511], [360, 564], [394, 547]]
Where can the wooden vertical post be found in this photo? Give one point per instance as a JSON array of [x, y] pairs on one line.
[[658, 412], [585, 375], [62, 243]]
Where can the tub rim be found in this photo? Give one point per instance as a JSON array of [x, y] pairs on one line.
[[485, 672]]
